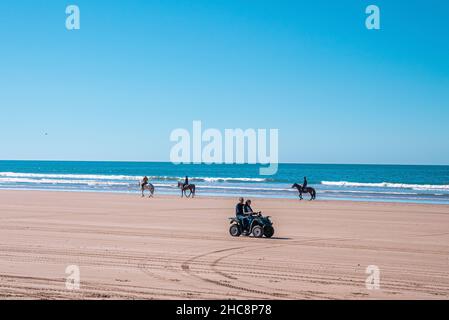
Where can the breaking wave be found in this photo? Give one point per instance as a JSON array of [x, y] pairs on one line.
[[124, 177], [418, 187]]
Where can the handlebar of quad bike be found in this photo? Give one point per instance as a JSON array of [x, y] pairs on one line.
[[252, 213], [260, 214]]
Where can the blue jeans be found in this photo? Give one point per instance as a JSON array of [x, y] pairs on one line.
[[245, 220]]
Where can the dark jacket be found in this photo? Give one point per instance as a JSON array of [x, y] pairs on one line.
[[239, 209], [247, 209]]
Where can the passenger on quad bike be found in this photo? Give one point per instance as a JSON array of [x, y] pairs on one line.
[[249, 213], [248, 210]]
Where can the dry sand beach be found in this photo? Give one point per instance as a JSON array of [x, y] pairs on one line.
[[169, 248]]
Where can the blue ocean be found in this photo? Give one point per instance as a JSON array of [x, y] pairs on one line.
[[396, 183]]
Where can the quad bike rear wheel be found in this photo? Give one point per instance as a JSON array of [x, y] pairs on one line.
[[235, 230], [257, 232]]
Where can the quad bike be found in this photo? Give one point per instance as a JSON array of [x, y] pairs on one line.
[[259, 226]]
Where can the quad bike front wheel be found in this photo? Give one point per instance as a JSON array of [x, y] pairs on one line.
[[268, 231], [235, 230], [257, 232]]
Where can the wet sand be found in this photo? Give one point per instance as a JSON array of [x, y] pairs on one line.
[[129, 247]]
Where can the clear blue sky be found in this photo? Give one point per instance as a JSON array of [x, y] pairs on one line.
[[136, 70]]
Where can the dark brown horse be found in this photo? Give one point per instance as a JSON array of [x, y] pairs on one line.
[[187, 190], [302, 190]]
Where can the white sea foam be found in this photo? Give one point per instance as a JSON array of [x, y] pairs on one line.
[[123, 177], [208, 179], [217, 185], [68, 176], [59, 181], [421, 187], [248, 188]]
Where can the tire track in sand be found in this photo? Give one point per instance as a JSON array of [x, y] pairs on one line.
[[213, 266]]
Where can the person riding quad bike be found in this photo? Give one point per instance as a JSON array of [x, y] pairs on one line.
[[249, 222], [240, 213]]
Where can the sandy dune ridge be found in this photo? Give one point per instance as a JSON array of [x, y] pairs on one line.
[[128, 247]]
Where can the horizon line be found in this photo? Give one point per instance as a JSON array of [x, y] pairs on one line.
[[300, 163]]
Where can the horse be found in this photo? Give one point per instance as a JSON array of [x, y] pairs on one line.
[[302, 190], [148, 187], [187, 190]]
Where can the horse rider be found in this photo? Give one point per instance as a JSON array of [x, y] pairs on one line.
[[186, 182], [304, 184], [144, 182]]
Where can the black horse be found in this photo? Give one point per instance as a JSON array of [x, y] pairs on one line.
[[302, 190], [187, 190]]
